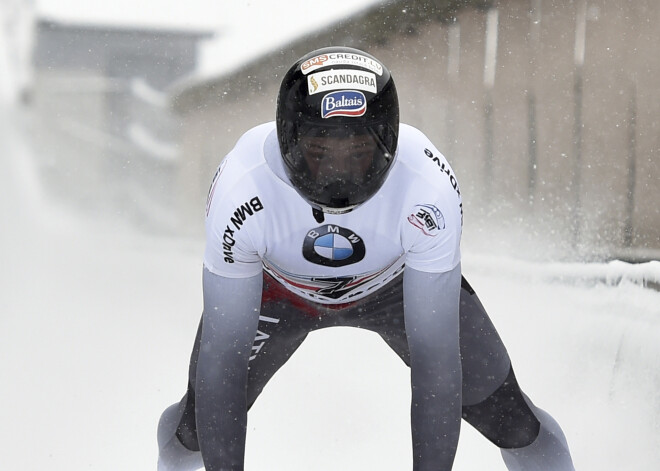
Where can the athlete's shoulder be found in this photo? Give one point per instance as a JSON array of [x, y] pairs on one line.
[[248, 153], [249, 149], [414, 146], [422, 159], [410, 134], [242, 169]]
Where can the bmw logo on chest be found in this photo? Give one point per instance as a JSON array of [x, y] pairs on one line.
[[333, 246]]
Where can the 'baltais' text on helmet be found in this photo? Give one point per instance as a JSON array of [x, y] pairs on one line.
[[337, 126]]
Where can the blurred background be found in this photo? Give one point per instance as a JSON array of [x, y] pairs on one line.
[[549, 111], [115, 115]]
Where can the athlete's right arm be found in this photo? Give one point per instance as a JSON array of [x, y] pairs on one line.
[[230, 318]]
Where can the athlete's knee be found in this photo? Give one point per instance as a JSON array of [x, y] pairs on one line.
[[186, 430], [504, 417], [167, 424], [173, 455]]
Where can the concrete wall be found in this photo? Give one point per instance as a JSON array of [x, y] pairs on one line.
[[558, 147]]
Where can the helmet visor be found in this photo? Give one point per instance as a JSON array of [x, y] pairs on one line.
[[341, 166]]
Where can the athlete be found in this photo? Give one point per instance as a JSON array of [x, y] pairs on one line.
[[337, 215]]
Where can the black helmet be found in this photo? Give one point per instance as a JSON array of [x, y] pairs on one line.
[[337, 126]]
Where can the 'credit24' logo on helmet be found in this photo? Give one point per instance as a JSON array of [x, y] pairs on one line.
[[343, 103]]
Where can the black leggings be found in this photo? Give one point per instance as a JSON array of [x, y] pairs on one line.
[[492, 400]]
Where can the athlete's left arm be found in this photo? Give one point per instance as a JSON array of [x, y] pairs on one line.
[[431, 304]]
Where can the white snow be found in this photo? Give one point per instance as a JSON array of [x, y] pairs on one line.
[[611, 273], [98, 321]]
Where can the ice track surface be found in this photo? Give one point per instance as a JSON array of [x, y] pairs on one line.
[[97, 323]]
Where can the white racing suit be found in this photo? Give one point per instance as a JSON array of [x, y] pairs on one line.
[[273, 274]]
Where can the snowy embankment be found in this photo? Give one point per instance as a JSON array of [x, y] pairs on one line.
[[97, 325], [586, 339], [611, 273]]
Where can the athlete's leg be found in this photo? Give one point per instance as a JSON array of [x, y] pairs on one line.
[[282, 328], [484, 359], [549, 452], [492, 400], [172, 455], [178, 449], [281, 331], [530, 440]]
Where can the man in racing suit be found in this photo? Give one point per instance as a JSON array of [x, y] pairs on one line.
[[338, 215]]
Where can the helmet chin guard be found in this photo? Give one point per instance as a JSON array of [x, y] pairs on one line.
[[337, 127]]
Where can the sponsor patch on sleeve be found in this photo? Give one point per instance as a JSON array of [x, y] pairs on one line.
[[329, 80], [428, 219]]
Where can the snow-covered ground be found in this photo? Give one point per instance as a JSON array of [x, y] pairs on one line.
[[97, 321]]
